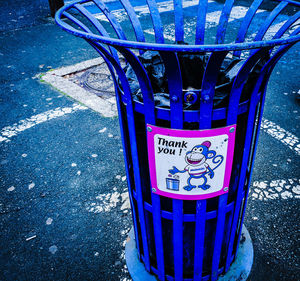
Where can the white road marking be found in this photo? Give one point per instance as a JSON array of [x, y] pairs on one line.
[[287, 138], [275, 189], [104, 202], [107, 201], [10, 131], [126, 202]]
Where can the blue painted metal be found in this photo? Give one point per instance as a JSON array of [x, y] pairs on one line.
[[156, 21], [201, 217], [179, 23], [220, 36], [139, 34], [178, 240], [245, 24], [113, 21], [167, 47], [239, 270], [176, 102], [201, 18]]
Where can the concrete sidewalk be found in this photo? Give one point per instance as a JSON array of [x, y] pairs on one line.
[[64, 208]]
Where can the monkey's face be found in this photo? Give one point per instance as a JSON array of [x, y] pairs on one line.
[[196, 156]]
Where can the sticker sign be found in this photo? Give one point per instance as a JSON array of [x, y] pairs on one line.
[[190, 164]]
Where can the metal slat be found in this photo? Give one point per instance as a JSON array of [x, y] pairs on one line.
[[96, 24], [176, 101], [246, 23], [234, 98], [199, 238], [208, 88], [178, 238], [156, 21], [138, 30], [223, 22], [148, 98], [219, 236], [268, 22], [130, 121], [158, 236], [270, 64], [201, 19], [179, 23], [149, 114], [206, 108], [287, 25], [112, 19]]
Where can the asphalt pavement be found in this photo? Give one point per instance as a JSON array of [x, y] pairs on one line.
[[64, 208]]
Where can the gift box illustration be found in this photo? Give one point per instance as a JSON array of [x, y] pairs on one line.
[[172, 184]]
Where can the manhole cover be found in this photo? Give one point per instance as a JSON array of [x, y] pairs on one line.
[[98, 80]]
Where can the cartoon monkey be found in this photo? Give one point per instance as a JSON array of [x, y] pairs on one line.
[[197, 166]]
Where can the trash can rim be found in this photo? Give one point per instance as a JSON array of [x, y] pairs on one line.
[[168, 47]]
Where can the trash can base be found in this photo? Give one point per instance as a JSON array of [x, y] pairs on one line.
[[239, 270]]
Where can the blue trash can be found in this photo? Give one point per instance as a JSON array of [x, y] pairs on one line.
[[188, 168]]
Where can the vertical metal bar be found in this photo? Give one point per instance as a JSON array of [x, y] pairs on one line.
[[96, 24], [219, 236], [147, 98], [178, 238], [201, 19], [156, 21], [112, 19], [208, 88], [149, 111], [127, 92], [173, 74], [176, 101], [155, 199], [246, 23], [269, 20], [139, 34], [287, 25], [264, 78], [223, 22], [234, 98], [199, 239], [126, 162], [206, 108], [179, 23], [158, 236]]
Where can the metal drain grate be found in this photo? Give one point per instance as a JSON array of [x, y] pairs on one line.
[[98, 80]]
